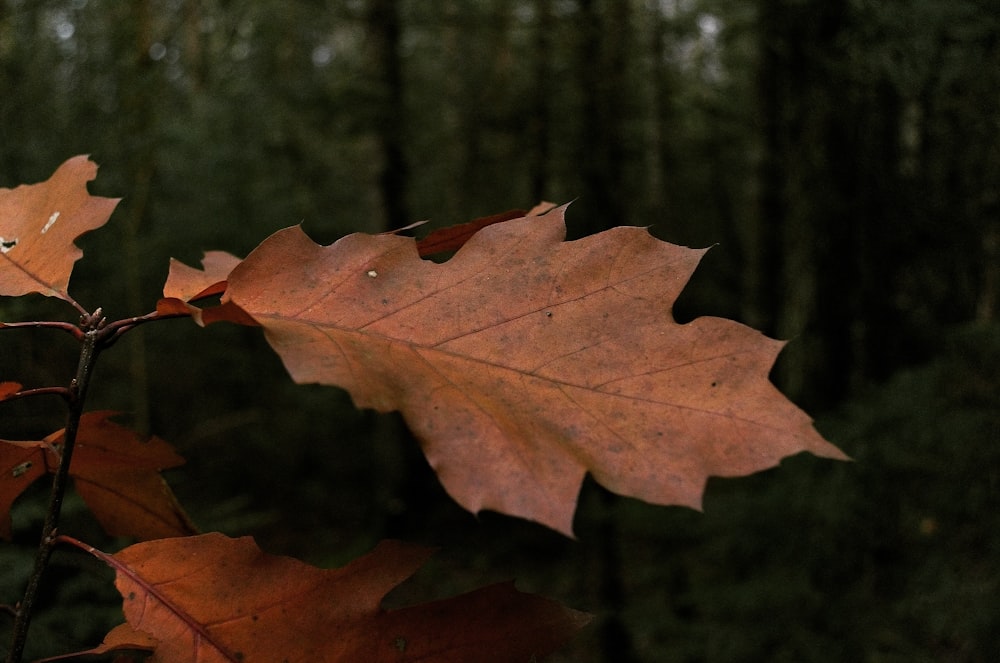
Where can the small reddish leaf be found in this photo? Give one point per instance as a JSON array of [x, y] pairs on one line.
[[525, 361], [543, 207], [210, 598], [453, 237], [21, 464], [121, 637], [124, 636], [38, 224], [187, 284], [8, 389], [115, 472]]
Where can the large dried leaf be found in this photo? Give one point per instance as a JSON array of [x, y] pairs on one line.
[[38, 224], [115, 472], [525, 361], [209, 599]]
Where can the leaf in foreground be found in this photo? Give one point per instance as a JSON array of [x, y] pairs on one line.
[[211, 599], [526, 361], [114, 470], [38, 224]]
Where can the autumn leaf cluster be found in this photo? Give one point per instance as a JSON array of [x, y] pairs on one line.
[[522, 363]]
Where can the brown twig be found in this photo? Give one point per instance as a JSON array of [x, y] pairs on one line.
[[46, 324], [64, 392], [93, 334]]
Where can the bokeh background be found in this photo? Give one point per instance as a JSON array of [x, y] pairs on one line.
[[843, 155]]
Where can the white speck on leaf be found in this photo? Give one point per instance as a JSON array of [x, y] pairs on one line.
[[7, 244], [372, 273], [50, 222]]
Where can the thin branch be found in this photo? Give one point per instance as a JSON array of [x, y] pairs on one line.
[[63, 538], [114, 330], [110, 332], [75, 304], [89, 351], [63, 392], [118, 325], [95, 334], [46, 324]]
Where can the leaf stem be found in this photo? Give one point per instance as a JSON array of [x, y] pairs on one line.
[[93, 333], [68, 327], [86, 547], [40, 391], [114, 330]]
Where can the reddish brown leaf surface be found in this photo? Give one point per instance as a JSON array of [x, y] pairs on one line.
[[8, 389], [38, 224], [122, 637], [115, 472], [210, 599], [21, 464], [187, 284], [525, 361]]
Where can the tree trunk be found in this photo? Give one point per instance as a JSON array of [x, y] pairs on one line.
[[140, 116], [540, 120], [602, 59], [802, 223], [384, 34]]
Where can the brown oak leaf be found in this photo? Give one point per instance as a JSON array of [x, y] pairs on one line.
[[38, 224], [210, 599], [114, 470], [526, 361], [8, 389], [121, 637], [188, 284]]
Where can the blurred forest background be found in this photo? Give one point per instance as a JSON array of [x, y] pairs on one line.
[[843, 154]]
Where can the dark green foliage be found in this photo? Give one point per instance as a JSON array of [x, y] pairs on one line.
[[891, 558]]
